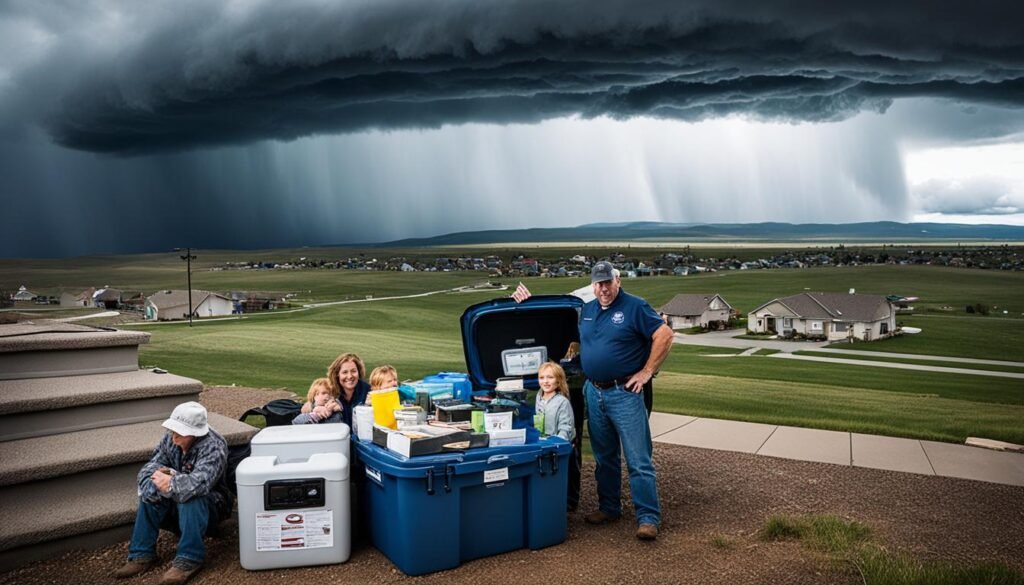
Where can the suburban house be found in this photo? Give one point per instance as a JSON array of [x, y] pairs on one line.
[[833, 316], [107, 298], [168, 305], [696, 310], [24, 294], [82, 299]]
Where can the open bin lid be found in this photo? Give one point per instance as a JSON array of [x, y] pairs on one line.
[[501, 325]]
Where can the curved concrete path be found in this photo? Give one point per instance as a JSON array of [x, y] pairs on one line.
[[841, 448], [786, 349], [899, 366]]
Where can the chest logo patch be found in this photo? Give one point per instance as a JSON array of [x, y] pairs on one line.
[[618, 318]]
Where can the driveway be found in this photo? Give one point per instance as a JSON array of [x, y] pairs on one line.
[[727, 339]]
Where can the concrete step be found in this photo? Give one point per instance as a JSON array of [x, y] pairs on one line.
[[40, 458], [48, 406], [43, 518], [42, 350]]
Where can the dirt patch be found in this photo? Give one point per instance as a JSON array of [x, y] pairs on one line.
[[232, 401], [704, 494]]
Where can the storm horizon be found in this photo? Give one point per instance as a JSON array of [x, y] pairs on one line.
[[129, 128]]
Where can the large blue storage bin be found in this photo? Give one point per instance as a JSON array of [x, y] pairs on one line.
[[432, 513]]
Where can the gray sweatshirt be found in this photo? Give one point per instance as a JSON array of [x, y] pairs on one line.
[[558, 418]]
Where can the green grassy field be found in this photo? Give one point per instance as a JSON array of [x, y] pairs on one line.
[[421, 336]]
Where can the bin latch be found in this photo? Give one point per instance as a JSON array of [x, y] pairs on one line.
[[449, 471], [540, 466], [430, 482], [554, 462]]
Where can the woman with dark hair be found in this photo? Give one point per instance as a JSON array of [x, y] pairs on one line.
[[346, 375]]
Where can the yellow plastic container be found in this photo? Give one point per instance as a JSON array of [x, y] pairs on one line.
[[384, 404]]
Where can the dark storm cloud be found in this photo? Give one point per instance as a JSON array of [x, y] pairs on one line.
[[152, 77]]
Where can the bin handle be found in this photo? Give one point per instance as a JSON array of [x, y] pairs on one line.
[[540, 466], [448, 471], [496, 459], [554, 463], [430, 482]]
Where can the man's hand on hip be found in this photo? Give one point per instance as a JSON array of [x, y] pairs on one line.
[[636, 382]]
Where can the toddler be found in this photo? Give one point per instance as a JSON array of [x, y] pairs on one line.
[[324, 406], [383, 378]]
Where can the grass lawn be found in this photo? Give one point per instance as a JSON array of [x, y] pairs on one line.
[[421, 336], [993, 338]]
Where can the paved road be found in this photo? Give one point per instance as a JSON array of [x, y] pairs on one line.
[[726, 339], [92, 316], [923, 368], [462, 289], [913, 356]]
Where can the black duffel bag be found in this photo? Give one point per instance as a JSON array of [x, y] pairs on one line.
[[276, 412]]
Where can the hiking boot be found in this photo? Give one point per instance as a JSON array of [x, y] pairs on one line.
[[134, 567], [180, 572], [599, 517], [647, 532]]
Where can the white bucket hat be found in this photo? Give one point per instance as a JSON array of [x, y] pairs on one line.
[[188, 419]]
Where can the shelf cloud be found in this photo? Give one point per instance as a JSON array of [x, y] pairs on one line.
[[134, 78]]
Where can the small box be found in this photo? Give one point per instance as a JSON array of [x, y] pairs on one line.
[[456, 412], [415, 441], [510, 437]]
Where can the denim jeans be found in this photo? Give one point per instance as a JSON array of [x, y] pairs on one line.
[[618, 420], [191, 519]]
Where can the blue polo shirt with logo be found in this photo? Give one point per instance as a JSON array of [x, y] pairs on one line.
[[615, 342]]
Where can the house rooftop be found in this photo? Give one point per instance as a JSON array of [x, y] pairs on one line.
[[175, 298], [842, 306], [688, 304]]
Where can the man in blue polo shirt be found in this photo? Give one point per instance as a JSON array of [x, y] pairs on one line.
[[623, 341]]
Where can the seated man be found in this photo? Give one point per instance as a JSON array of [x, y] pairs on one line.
[[182, 489]]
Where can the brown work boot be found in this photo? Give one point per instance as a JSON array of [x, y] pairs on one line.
[[134, 567], [599, 517], [647, 532], [180, 572]]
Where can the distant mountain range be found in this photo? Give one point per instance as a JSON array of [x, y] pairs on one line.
[[879, 231]]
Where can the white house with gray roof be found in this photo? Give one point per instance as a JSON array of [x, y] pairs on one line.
[[168, 305], [834, 316], [696, 310]]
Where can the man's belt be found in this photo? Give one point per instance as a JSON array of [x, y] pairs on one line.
[[606, 385]]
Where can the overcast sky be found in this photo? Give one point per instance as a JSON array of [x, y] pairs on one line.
[[140, 126]]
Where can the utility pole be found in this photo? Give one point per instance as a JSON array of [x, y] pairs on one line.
[[188, 258]]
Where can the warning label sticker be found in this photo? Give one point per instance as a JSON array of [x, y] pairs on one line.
[[294, 530]]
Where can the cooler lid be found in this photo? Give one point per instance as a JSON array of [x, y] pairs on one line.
[[297, 434], [492, 327], [254, 471]]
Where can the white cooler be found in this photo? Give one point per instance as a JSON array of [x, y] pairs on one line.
[[298, 442], [293, 513]]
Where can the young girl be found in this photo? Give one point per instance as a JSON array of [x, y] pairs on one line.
[[323, 405], [553, 401], [383, 378]]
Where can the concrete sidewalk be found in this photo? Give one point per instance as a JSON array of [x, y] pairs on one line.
[[841, 448]]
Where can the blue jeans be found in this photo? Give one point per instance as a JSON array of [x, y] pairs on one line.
[[618, 420], [191, 519]]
